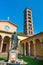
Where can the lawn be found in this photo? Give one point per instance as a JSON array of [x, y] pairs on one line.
[[31, 61]]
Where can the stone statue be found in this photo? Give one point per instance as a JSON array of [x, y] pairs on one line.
[[14, 41], [13, 52]]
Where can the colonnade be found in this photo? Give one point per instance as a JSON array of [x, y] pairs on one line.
[[34, 48]]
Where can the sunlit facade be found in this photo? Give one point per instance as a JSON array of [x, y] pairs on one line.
[[27, 46]]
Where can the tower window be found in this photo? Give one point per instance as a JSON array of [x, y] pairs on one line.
[[29, 17], [29, 32], [30, 25], [29, 21], [31, 28], [29, 14], [29, 11]]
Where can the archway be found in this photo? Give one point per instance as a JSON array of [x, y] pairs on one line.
[[38, 48], [6, 43], [31, 48], [27, 49], [0, 41]]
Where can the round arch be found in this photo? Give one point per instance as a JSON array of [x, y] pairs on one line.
[[6, 43], [38, 48], [6, 39]]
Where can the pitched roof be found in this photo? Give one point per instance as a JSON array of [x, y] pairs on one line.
[[8, 22]]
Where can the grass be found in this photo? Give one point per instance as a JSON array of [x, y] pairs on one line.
[[31, 61]]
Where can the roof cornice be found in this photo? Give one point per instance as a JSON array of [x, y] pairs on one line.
[[9, 22]]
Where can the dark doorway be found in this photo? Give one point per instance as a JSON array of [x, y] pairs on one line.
[[4, 48]]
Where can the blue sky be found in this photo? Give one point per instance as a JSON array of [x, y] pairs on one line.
[[15, 10]]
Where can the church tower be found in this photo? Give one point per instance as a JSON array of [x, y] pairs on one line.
[[28, 24]]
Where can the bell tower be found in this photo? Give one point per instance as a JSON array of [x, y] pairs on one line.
[[28, 24]]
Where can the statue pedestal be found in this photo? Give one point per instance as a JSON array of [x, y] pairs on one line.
[[13, 55]]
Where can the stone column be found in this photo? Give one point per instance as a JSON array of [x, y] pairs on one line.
[[34, 50], [10, 45], [29, 49], [24, 49], [19, 47], [1, 45]]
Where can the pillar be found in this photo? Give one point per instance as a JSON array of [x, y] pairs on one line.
[[19, 47], [1, 45], [34, 50], [10, 45], [24, 49], [29, 49]]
